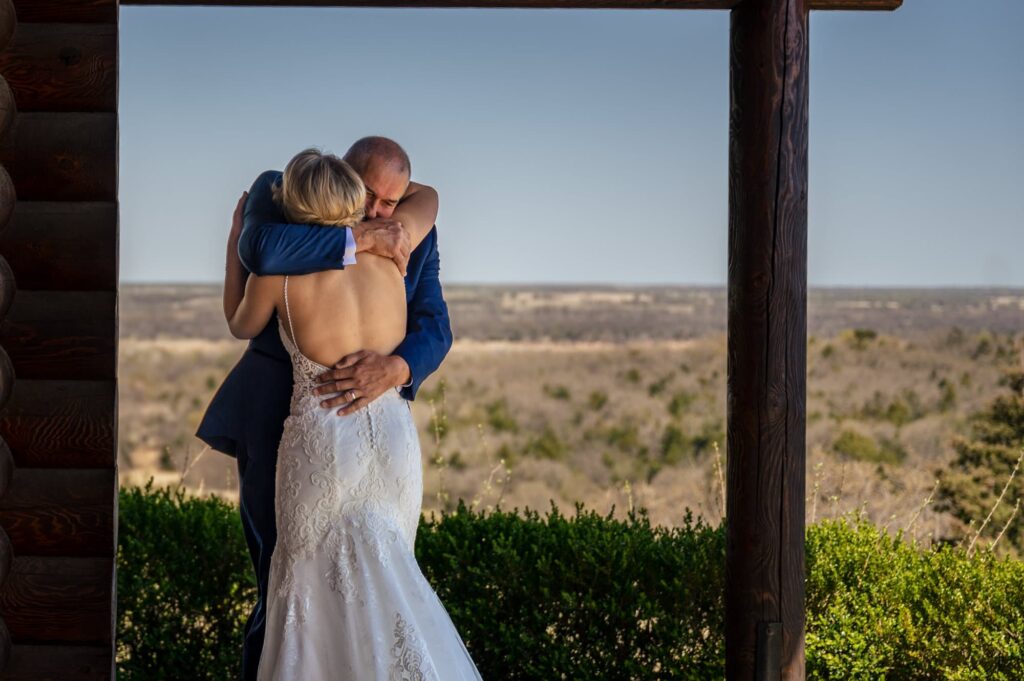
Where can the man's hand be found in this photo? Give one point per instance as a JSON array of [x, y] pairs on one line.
[[360, 378], [385, 237]]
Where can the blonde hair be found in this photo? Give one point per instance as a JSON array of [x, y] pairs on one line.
[[319, 188]]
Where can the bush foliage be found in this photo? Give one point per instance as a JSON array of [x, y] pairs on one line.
[[588, 596], [986, 464], [184, 586]]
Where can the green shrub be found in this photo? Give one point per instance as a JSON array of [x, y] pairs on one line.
[[859, 338], [985, 464], [899, 410], [185, 586], [680, 402], [674, 445], [597, 400], [585, 597], [710, 431], [947, 398], [878, 607], [659, 386], [499, 418], [547, 445], [624, 435], [863, 448], [589, 596], [557, 392], [984, 345]]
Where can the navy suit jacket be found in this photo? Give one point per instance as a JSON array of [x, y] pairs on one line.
[[257, 391]]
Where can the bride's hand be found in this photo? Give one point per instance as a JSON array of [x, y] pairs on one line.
[[237, 219]]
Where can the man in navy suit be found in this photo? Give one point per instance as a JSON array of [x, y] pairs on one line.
[[246, 417]]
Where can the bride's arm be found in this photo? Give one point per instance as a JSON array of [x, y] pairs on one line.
[[249, 300], [417, 211], [256, 306]]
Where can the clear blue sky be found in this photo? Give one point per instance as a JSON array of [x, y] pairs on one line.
[[584, 146]]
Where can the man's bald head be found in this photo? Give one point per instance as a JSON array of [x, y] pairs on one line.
[[373, 151]]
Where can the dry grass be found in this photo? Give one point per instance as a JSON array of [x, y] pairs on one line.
[[610, 424]]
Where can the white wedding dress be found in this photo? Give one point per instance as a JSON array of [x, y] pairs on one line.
[[347, 600]]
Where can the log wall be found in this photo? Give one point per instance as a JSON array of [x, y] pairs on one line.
[[58, 334]]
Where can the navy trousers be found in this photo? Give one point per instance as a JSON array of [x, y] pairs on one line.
[[256, 503], [246, 419]]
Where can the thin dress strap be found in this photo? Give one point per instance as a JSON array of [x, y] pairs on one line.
[[288, 315]]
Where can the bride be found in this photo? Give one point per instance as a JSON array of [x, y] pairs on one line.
[[346, 599]]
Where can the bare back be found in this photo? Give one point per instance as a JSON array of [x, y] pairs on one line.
[[337, 312]]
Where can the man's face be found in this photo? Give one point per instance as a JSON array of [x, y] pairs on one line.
[[384, 189]]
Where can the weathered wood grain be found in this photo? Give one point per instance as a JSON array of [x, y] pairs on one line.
[[8, 288], [8, 107], [6, 558], [6, 472], [62, 67], [62, 156], [8, 24], [53, 11], [8, 197], [62, 246], [61, 334], [5, 646], [62, 424], [60, 512], [58, 600], [766, 363], [59, 663]]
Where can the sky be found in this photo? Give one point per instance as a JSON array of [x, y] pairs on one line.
[[583, 146]]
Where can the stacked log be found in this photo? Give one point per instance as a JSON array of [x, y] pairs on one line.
[[58, 331]]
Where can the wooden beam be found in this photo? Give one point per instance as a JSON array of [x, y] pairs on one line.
[[8, 24], [62, 67], [8, 198], [58, 600], [766, 340], [64, 11], [62, 424], [62, 156], [59, 663], [8, 108], [62, 335], [523, 4], [61, 512], [62, 246]]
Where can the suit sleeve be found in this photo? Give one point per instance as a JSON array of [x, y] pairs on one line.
[[429, 333], [269, 245]]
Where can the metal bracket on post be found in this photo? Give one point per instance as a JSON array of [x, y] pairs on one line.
[[768, 664]]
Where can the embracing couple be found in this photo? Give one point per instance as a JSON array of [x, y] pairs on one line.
[[332, 271]]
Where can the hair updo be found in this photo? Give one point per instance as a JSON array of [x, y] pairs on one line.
[[319, 188]]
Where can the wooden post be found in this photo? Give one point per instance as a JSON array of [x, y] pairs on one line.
[[767, 330]]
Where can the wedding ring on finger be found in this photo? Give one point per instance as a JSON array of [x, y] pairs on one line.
[[351, 395]]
